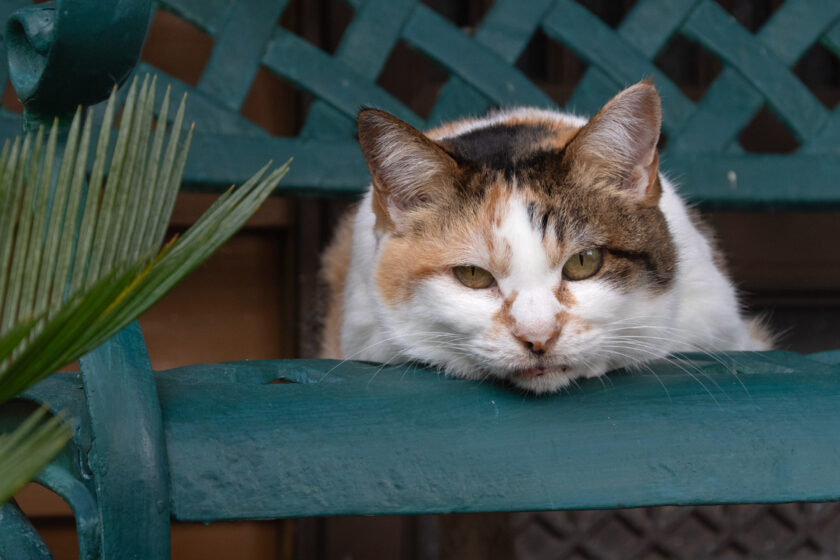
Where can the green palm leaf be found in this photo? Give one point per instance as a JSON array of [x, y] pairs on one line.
[[80, 261]]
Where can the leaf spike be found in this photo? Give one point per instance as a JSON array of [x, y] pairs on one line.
[[100, 261], [74, 201], [174, 185], [86, 231], [18, 246], [159, 219], [41, 225], [8, 209], [123, 232], [33, 235], [58, 209], [155, 188]]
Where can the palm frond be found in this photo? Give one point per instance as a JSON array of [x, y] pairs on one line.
[[79, 262]]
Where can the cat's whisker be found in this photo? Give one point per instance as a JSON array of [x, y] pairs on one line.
[[686, 371], [356, 354], [729, 367], [658, 379], [638, 365]]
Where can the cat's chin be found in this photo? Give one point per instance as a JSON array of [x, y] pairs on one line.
[[544, 379]]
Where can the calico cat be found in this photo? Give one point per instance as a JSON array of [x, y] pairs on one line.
[[528, 245]]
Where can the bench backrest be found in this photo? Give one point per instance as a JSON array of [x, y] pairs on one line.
[[702, 148]]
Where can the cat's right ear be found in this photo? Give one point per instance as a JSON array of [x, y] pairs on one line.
[[617, 147], [409, 171]]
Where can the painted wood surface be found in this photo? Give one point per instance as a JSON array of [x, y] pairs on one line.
[[363, 438], [127, 458], [336, 168], [20, 540], [358, 438]]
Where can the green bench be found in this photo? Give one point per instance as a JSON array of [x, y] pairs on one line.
[[222, 442]]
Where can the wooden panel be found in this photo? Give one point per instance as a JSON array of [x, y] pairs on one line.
[[386, 537], [236, 306], [273, 214], [189, 541], [38, 501], [782, 253], [232, 541]]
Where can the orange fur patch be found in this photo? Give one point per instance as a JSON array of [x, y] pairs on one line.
[[564, 295], [334, 266], [445, 241], [503, 316]]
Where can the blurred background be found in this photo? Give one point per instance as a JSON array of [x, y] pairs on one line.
[[257, 298]]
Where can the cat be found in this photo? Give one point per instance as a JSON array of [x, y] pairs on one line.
[[529, 245]]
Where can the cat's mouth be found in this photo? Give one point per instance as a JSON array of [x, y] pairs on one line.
[[539, 371]]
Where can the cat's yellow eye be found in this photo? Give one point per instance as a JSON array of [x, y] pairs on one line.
[[583, 265], [473, 277]]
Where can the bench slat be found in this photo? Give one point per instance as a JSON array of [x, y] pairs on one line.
[[336, 167], [387, 440]]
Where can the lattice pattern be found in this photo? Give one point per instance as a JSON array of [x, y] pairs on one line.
[[791, 531], [482, 73], [758, 66]]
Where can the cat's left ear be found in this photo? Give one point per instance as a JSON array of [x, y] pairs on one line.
[[617, 147], [409, 171]]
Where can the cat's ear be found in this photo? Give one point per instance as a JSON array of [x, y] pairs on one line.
[[409, 171], [617, 146]]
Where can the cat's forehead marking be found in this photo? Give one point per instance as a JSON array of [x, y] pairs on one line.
[[506, 141], [529, 262]]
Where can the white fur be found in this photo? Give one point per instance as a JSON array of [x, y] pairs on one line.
[[501, 116], [531, 278], [450, 326]]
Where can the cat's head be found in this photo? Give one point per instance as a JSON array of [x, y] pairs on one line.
[[526, 245]]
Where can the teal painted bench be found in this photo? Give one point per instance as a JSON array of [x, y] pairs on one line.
[[222, 442]]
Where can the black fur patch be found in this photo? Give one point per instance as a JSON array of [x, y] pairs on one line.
[[500, 147]]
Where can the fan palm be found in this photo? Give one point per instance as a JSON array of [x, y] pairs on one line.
[[80, 259]]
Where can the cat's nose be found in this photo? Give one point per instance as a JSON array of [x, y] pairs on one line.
[[538, 345]]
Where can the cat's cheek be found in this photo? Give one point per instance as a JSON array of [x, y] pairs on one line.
[[462, 309], [596, 301]]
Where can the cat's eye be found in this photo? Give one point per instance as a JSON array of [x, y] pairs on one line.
[[583, 265], [473, 277]]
